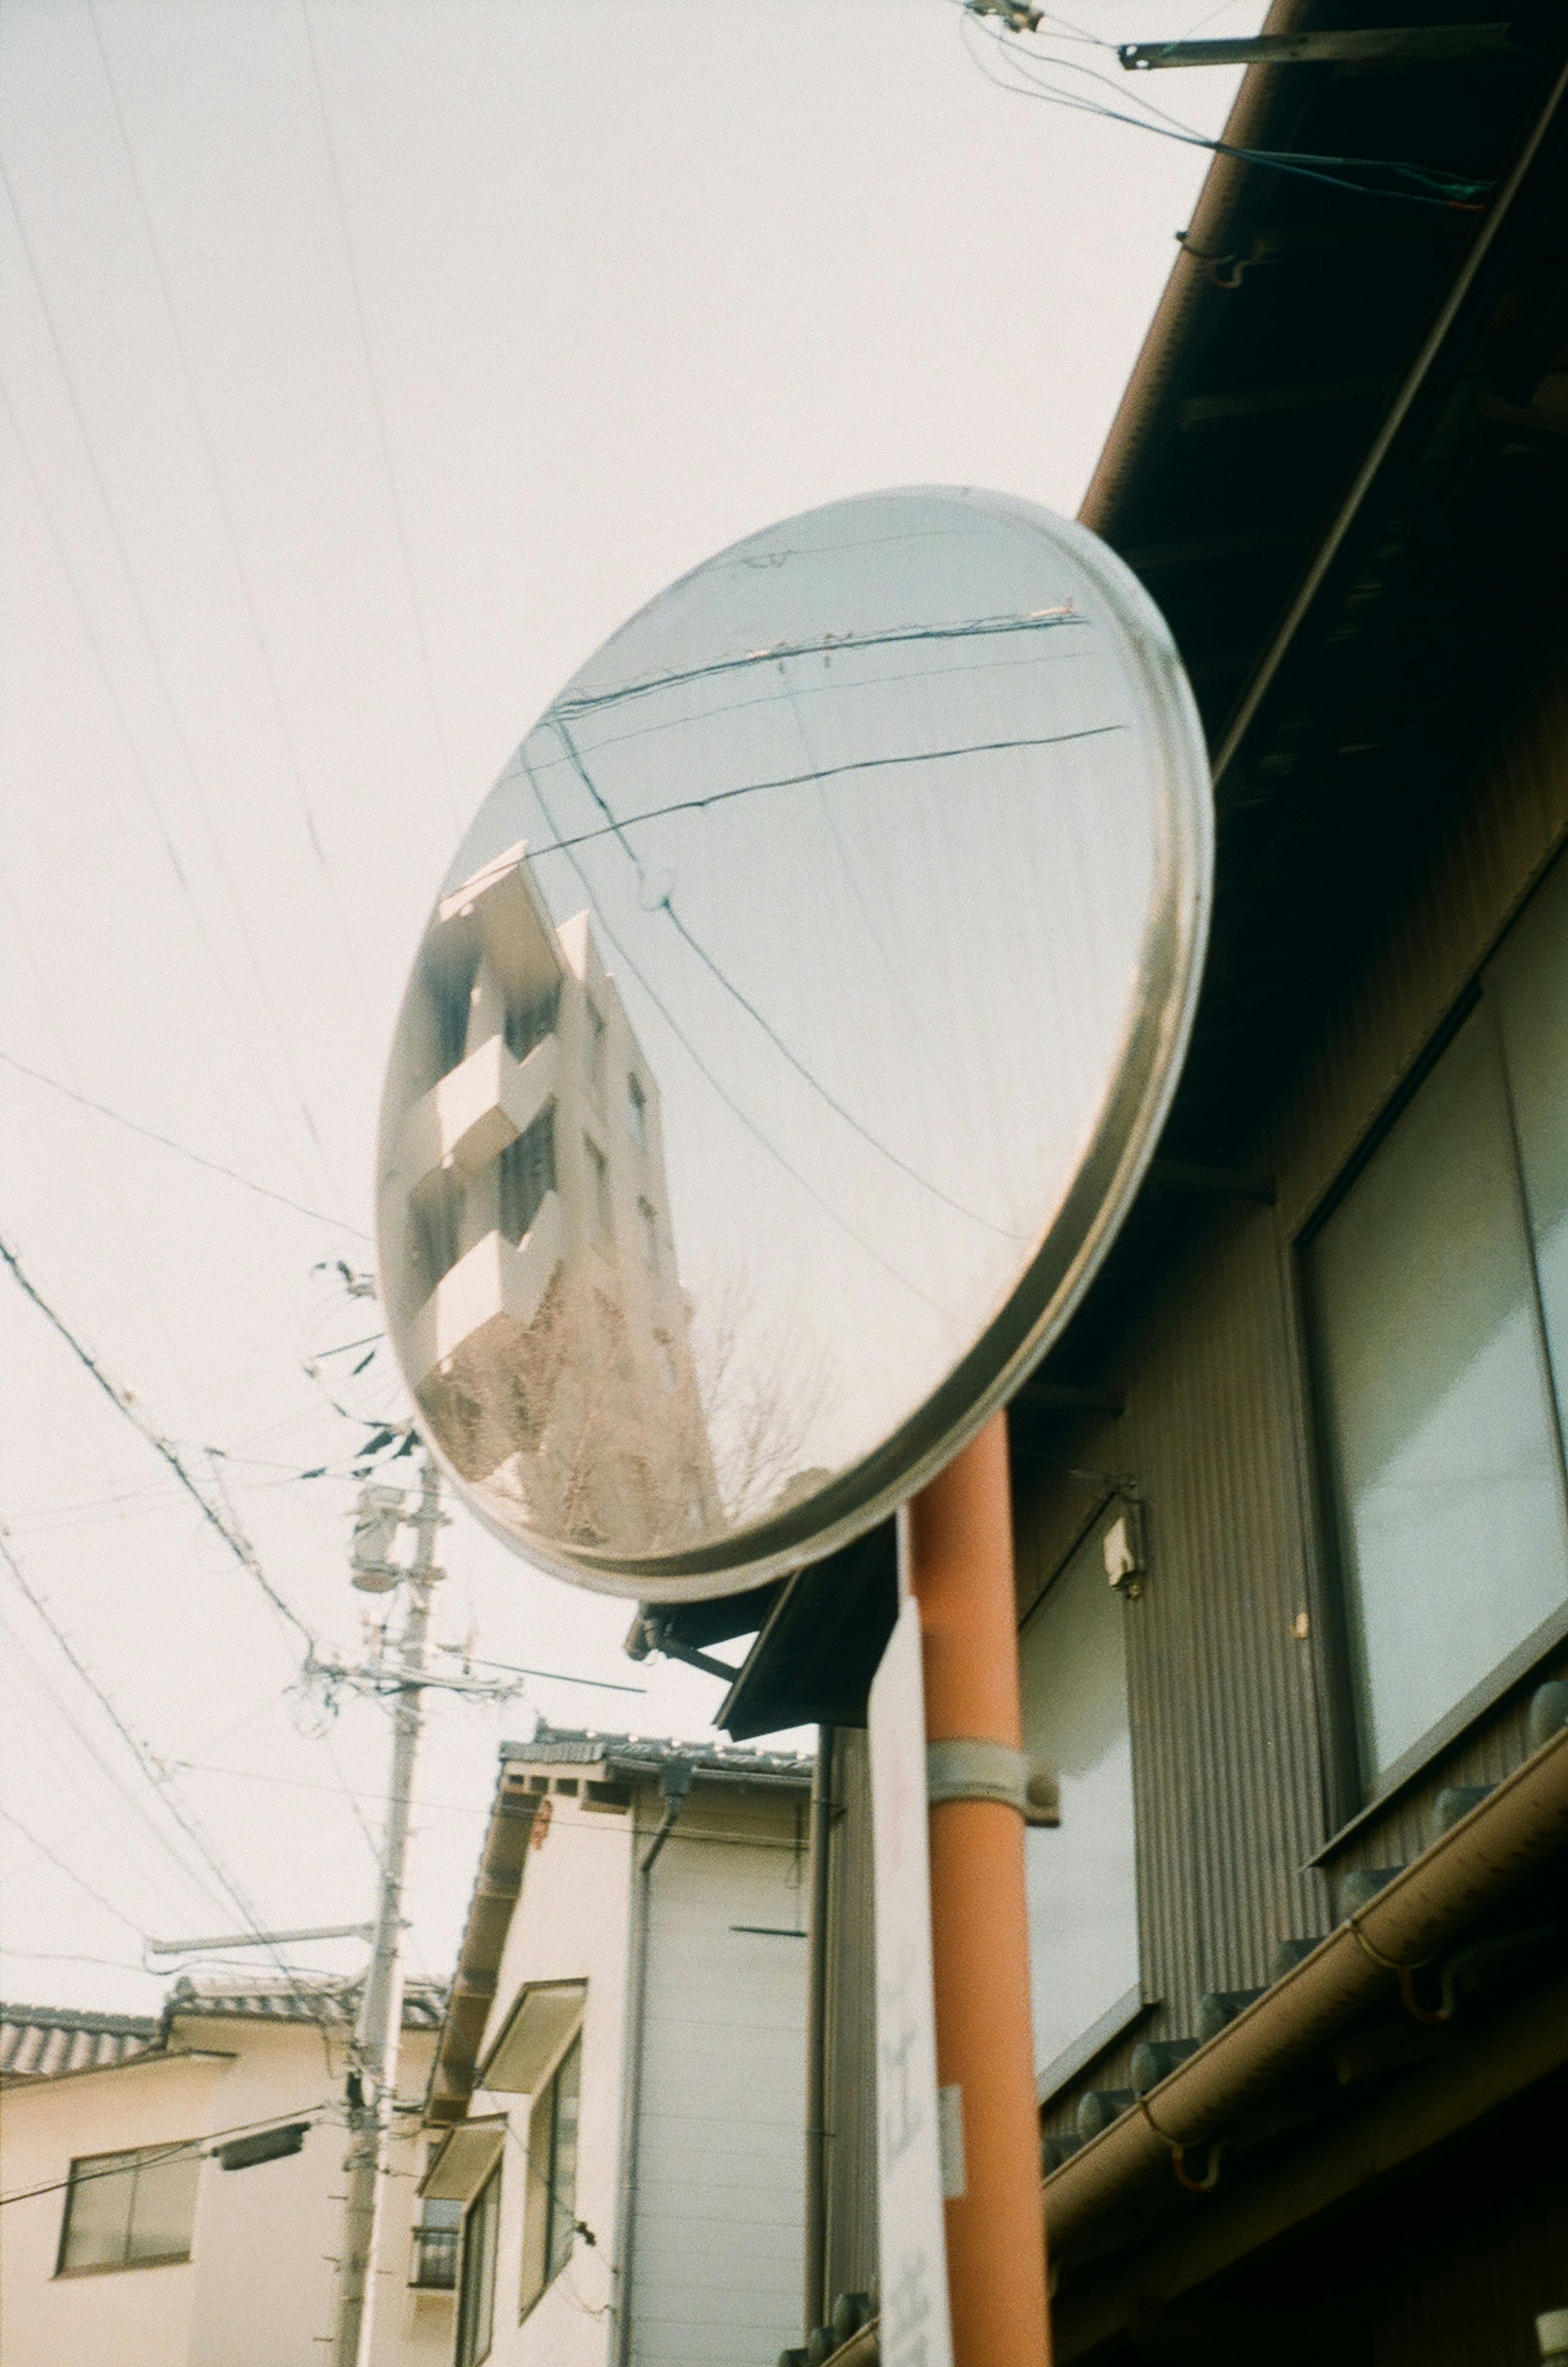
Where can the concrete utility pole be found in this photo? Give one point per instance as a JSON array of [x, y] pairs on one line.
[[380, 2013]]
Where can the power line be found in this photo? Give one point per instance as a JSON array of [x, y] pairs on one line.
[[280, 717], [617, 829], [1452, 191], [110, 1775], [554, 1676], [181, 1150], [228, 1529], [726, 1096], [151, 1770], [183, 2145], [378, 411], [819, 773], [70, 1873], [139, 763], [826, 645]]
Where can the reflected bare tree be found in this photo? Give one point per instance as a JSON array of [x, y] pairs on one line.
[[766, 1393]]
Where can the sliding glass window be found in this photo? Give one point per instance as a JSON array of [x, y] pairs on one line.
[[1438, 1288], [1082, 1877]]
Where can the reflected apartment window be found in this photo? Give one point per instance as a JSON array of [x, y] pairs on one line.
[[129, 2210], [527, 1171], [451, 1005], [1438, 1288], [529, 1020], [476, 2290], [648, 1222], [437, 1213], [549, 2218], [1082, 1877], [596, 1032], [636, 1111], [599, 1187]]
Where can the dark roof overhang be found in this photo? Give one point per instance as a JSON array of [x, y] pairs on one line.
[[1341, 468]]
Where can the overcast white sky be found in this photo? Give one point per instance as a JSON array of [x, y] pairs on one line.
[[365, 363]]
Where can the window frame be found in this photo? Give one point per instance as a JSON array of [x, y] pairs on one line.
[[539, 2195], [1354, 1789], [1119, 2015], [129, 2161], [469, 2350]]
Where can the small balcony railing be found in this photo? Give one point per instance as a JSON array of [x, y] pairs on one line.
[[435, 2259]]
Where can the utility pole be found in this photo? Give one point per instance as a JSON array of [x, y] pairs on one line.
[[374, 2084]]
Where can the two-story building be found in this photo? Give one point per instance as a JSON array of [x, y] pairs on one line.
[[137, 2227], [617, 2101]]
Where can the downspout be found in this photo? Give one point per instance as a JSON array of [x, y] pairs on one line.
[[816, 2133], [674, 1783]]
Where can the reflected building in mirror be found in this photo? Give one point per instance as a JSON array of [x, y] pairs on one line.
[[530, 1277]]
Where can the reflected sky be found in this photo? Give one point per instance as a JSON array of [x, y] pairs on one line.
[[867, 822]]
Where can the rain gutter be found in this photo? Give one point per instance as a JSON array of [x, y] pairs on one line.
[[675, 1777], [1508, 1837]]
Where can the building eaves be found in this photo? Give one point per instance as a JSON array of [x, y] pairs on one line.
[[497, 1885]]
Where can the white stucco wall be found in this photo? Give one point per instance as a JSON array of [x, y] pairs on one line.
[[572, 1924], [258, 2290]]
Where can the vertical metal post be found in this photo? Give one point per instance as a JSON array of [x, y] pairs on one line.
[[379, 2027], [962, 1575]]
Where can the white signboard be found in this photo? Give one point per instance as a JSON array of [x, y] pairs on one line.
[[916, 2330]]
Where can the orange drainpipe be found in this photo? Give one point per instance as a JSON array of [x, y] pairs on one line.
[[961, 1570]]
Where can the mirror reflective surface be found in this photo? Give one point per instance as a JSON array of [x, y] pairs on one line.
[[789, 1036]]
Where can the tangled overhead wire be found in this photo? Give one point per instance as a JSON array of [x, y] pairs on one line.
[[1005, 24]]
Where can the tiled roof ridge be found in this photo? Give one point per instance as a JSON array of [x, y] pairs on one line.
[[583, 1745], [77, 2017]]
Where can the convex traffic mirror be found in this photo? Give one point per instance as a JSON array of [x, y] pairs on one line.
[[789, 1037]]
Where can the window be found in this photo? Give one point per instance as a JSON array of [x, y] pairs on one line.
[[451, 1001], [528, 1169], [599, 1186], [1438, 1288], [438, 2238], [476, 2290], [128, 2210], [596, 1033], [527, 1020], [637, 1110], [648, 1222], [437, 1213], [1082, 1877], [549, 2217]]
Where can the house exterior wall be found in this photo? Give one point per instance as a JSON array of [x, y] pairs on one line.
[[258, 2290], [720, 2166], [574, 1924], [716, 2162]]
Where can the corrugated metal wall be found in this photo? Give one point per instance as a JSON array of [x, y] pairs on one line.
[[1238, 1776]]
